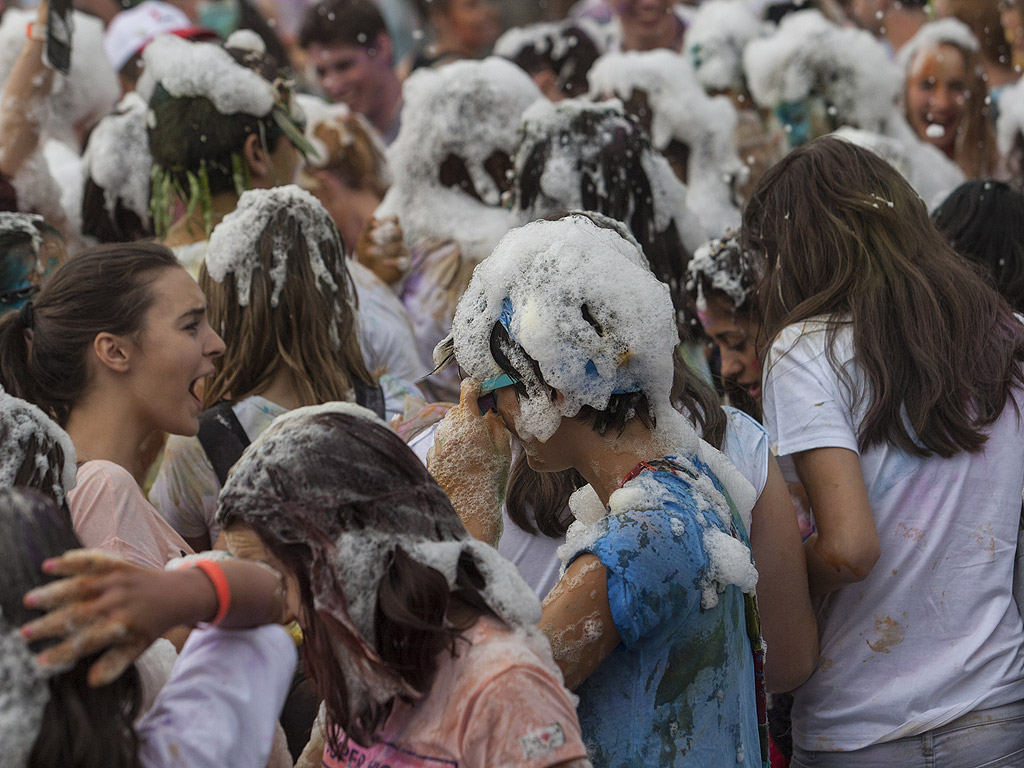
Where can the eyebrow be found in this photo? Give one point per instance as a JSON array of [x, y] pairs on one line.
[[196, 312]]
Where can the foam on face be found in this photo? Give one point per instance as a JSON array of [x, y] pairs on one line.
[[20, 422], [469, 109], [810, 56], [234, 243], [715, 40], [549, 270], [189, 69], [117, 157], [682, 111]]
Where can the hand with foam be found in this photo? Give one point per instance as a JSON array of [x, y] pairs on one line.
[[470, 460], [112, 606], [381, 249]]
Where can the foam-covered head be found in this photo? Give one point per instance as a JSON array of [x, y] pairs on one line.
[[118, 161], [693, 130], [722, 266], [947, 31], [82, 97], [337, 481], [810, 57], [234, 244], [715, 39], [34, 451], [578, 298], [451, 159]]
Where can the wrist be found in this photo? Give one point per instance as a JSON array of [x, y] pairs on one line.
[[194, 598]]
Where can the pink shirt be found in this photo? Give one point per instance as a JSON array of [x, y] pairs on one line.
[[110, 513], [499, 703]]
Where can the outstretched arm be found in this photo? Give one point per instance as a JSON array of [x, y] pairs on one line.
[[111, 605]]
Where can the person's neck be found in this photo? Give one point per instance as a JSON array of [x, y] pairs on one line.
[[448, 44], [606, 460], [389, 104], [100, 429], [280, 390], [192, 229]]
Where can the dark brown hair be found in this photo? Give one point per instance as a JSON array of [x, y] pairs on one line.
[[342, 22], [847, 239], [83, 727], [352, 475], [537, 502], [103, 289], [296, 334]]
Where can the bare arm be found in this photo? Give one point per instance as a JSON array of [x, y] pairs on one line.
[[23, 102], [787, 618], [578, 620], [845, 547], [109, 604]]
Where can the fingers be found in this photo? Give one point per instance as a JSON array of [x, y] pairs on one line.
[[84, 561], [91, 639], [112, 664], [62, 592]]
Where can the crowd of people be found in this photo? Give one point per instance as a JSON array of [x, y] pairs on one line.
[[385, 384]]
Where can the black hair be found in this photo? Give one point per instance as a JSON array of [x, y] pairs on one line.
[[342, 22], [982, 219], [83, 727], [567, 50]]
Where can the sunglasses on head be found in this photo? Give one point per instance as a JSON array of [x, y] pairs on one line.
[[487, 401]]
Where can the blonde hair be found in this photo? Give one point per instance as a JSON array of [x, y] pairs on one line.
[[308, 330]]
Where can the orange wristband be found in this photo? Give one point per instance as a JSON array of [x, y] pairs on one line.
[[216, 575]]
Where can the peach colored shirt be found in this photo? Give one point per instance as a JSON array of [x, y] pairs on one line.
[[110, 513], [499, 703]]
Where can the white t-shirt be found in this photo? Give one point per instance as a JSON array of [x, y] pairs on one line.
[[745, 445], [220, 707], [933, 632]]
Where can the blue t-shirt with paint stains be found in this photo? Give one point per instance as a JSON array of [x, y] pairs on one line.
[[679, 688]]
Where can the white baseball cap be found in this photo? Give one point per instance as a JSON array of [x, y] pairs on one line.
[[130, 30]]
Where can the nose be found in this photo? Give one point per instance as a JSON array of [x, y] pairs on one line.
[[333, 84], [215, 345], [732, 363], [941, 99]]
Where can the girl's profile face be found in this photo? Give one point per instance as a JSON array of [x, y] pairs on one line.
[[736, 341], [172, 354], [243, 542], [937, 95]]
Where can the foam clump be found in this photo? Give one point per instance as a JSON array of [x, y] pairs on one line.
[[22, 425], [1010, 124], [715, 40], [118, 159], [83, 96], [722, 266], [947, 31], [810, 56], [547, 271], [246, 40], [681, 111], [234, 247], [192, 69], [24, 694], [468, 110]]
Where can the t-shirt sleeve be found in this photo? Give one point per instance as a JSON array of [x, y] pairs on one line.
[[653, 561], [804, 403], [186, 487], [220, 707], [523, 718], [746, 445]]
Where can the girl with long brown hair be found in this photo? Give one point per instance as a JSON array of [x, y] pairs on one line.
[[114, 347], [894, 380], [280, 293]]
